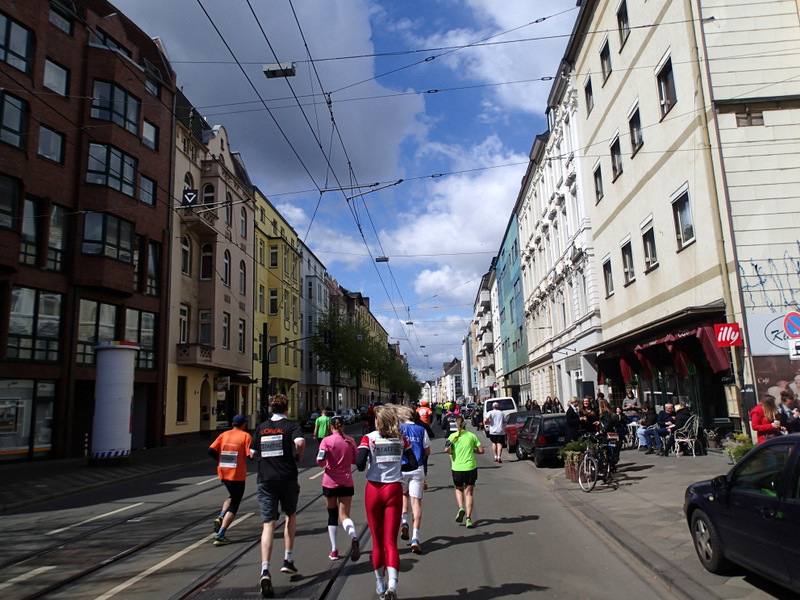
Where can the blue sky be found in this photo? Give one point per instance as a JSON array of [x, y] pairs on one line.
[[376, 61]]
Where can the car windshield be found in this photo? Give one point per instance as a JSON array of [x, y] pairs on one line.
[[503, 404], [552, 426], [518, 418]]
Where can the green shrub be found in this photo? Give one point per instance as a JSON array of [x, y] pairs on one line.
[[575, 446], [742, 444]]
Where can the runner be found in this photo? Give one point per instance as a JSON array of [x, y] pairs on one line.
[[230, 450], [336, 453], [413, 481], [280, 444], [462, 447], [383, 449], [437, 408], [322, 425], [496, 420], [424, 412]]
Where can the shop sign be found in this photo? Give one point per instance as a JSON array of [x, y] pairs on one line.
[[727, 334], [222, 383], [794, 349]]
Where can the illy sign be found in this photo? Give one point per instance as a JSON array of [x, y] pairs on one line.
[[728, 334]]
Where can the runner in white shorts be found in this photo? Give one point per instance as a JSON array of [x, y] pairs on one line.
[[413, 481]]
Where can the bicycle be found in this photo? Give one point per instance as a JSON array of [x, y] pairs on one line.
[[596, 462]]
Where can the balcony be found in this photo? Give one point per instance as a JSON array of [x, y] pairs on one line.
[[485, 298], [195, 355], [199, 219]]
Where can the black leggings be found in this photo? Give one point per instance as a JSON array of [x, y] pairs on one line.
[[236, 491]]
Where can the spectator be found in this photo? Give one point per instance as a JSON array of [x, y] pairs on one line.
[[557, 406], [664, 423], [765, 419], [547, 408], [647, 419], [682, 416], [631, 407], [588, 416], [573, 420]]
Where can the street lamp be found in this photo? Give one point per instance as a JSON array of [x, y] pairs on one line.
[[284, 69], [381, 259]]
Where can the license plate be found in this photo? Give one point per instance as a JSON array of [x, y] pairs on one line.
[[561, 439]]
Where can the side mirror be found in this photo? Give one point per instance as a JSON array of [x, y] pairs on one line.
[[720, 484]]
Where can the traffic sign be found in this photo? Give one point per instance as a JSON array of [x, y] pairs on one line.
[[794, 349], [791, 324]]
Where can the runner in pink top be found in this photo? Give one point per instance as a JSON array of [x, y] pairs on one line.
[[337, 454]]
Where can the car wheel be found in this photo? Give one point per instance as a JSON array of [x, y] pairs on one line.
[[707, 544], [520, 453], [538, 459]]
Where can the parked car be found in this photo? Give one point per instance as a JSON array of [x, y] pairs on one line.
[[349, 415], [751, 516], [507, 405], [541, 437], [308, 424], [513, 425]]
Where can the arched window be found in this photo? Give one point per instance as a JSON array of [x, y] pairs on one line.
[[188, 182], [186, 255], [226, 269], [208, 194], [242, 278], [228, 209], [206, 261], [243, 223]]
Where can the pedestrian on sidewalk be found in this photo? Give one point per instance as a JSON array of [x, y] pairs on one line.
[[413, 481], [279, 444], [765, 419], [337, 453], [381, 454], [462, 446], [230, 450], [496, 419]]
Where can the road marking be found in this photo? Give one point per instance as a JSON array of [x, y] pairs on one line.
[[317, 475], [207, 481], [133, 580], [108, 514], [24, 577]]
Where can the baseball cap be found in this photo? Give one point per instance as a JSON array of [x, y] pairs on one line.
[[239, 419]]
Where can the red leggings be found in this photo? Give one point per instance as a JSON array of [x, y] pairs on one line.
[[384, 505]]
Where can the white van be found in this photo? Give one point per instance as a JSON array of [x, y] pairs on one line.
[[507, 405]]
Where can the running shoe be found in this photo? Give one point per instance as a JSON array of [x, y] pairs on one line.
[[425, 484], [469, 523], [404, 531], [266, 585], [460, 515], [389, 594], [288, 567], [217, 524], [380, 587], [334, 555], [221, 540], [355, 550], [415, 547]]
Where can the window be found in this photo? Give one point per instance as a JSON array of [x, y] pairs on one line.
[[204, 331], [15, 44], [206, 262], [140, 327], [153, 269], [684, 229], [261, 252], [588, 95], [635, 128], [750, 119], [616, 159], [9, 202], [649, 245], [628, 274], [285, 305], [96, 323], [61, 18], [107, 235], [666, 87], [761, 473], [153, 86], [273, 349], [51, 144], [623, 25], [273, 257], [226, 330], [273, 302], [286, 351], [111, 103], [150, 135], [29, 240], [112, 167], [261, 298], [56, 78], [598, 184], [147, 190], [12, 119], [608, 277], [228, 209], [106, 40], [183, 324], [242, 330], [605, 61], [56, 239], [186, 255], [34, 325], [226, 268], [208, 194], [188, 182], [243, 223], [180, 400], [242, 278]]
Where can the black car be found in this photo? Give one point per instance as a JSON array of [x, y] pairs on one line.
[[751, 516], [308, 424], [541, 437]]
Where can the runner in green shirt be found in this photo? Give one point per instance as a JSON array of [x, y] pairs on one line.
[[322, 426], [437, 409], [462, 446]]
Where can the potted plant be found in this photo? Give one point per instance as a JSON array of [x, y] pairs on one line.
[[712, 438], [741, 445], [571, 454]]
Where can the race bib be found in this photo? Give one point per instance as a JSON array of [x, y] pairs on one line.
[[228, 459], [271, 445], [388, 450]]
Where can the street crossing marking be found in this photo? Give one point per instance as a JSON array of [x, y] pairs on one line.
[[108, 514], [133, 580], [24, 576]]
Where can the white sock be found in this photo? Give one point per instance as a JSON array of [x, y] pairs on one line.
[[404, 518], [391, 575], [332, 534], [265, 566], [349, 527], [381, 586], [287, 555], [416, 534]]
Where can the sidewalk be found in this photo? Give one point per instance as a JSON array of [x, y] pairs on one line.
[[28, 483], [644, 514]]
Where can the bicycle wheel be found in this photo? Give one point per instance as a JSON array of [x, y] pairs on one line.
[[604, 467], [587, 473]]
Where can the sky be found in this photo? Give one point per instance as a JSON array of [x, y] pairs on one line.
[[435, 101]]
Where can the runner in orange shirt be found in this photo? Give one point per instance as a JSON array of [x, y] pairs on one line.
[[424, 412], [230, 450]]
